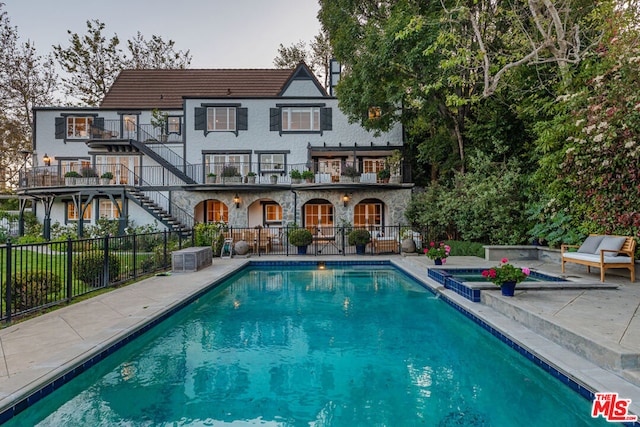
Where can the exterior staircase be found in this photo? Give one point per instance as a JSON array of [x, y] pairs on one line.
[[176, 220]]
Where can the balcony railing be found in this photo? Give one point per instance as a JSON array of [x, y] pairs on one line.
[[114, 129], [212, 174]]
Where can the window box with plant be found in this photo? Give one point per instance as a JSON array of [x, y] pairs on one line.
[[384, 175], [360, 238], [350, 174], [251, 178], [71, 178], [273, 179], [300, 237], [89, 177], [307, 176], [105, 178], [296, 176], [211, 178], [231, 174]]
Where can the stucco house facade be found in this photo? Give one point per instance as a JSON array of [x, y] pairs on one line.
[[179, 147]]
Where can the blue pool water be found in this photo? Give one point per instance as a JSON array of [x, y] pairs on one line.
[[281, 346]]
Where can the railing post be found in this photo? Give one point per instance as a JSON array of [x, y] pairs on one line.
[[164, 261], [69, 279], [342, 233], [285, 238], [7, 281], [106, 261], [135, 255]]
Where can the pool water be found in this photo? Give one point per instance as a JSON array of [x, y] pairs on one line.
[[306, 347]]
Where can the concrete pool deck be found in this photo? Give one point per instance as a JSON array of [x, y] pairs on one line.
[[592, 334]]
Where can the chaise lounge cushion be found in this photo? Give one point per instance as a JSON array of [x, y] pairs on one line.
[[590, 245], [608, 259], [611, 243]]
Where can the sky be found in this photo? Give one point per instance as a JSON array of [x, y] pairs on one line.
[[218, 34]]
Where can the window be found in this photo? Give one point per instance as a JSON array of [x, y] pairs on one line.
[[123, 168], [78, 127], [272, 162], [317, 214], [108, 209], [301, 118], [215, 163], [272, 213], [216, 211], [374, 113], [73, 215], [174, 125], [372, 165], [76, 165], [221, 119], [368, 215]]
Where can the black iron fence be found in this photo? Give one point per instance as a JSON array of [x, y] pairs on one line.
[[38, 275]]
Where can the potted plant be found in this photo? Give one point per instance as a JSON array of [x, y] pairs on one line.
[[506, 276], [89, 176], [307, 176], [351, 174], [359, 237], [273, 179], [211, 178], [296, 176], [384, 175], [438, 253], [70, 178], [251, 177], [230, 174], [300, 237], [106, 178], [159, 122], [394, 162]]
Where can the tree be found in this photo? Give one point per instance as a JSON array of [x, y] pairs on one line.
[[155, 54], [91, 62], [317, 57], [290, 57], [26, 80]]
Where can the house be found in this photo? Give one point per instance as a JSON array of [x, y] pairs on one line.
[[160, 136]]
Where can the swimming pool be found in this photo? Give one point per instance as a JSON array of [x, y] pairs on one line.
[[302, 346]]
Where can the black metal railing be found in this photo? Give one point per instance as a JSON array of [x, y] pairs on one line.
[[38, 275]]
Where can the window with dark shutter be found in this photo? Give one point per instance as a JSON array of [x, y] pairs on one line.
[[242, 119], [200, 119], [326, 119], [274, 119], [61, 127]]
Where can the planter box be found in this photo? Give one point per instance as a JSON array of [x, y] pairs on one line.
[[191, 259]]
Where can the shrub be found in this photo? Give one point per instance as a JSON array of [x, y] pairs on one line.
[[307, 175], [300, 237], [295, 174], [88, 268], [34, 288], [359, 236]]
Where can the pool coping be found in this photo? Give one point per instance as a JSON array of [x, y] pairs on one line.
[[576, 372]]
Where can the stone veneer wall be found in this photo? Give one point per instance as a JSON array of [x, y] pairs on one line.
[[395, 200]]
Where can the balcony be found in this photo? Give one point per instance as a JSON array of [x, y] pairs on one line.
[[213, 175]]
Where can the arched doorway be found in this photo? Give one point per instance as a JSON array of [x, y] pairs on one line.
[[318, 212], [369, 214]]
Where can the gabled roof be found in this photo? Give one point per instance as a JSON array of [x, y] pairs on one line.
[[166, 88]]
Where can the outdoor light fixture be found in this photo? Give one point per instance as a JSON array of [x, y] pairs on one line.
[[345, 200], [321, 265], [46, 159], [236, 200]]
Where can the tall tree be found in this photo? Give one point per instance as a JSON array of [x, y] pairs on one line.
[[317, 56], [289, 57], [91, 62], [155, 54], [26, 80]]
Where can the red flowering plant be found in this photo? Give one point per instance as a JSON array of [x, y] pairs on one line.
[[437, 251], [506, 272]]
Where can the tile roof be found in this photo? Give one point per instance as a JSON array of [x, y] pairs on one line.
[[166, 88]]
